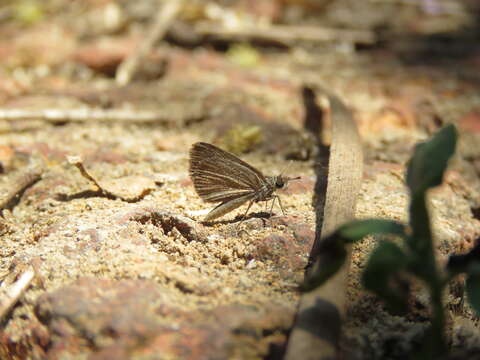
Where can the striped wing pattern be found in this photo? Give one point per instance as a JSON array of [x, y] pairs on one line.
[[220, 176]]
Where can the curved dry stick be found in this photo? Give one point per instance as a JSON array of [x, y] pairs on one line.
[[22, 182], [316, 332]]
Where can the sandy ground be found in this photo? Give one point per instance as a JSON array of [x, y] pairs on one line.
[[138, 276]]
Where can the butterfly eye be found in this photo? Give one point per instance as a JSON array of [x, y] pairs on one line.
[[279, 182]]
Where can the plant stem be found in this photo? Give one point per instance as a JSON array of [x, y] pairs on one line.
[[426, 269], [437, 344]]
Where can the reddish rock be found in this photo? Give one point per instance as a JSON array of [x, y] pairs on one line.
[[285, 220], [32, 346], [106, 319], [263, 219], [226, 332], [183, 63], [105, 155], [470, 122], [282, 251], [6, 157], [304, 235], [40, 194], [301, 186], [40, 336], [45, 150], [393, 116], [104, 56], [101, 311], [287, 252], [273, 246], [411, 108]]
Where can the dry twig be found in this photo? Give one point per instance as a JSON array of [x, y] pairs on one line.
[[138, 187], [83, 115], [10, 296], [162, 22], [78, 163], [287, 34], [23, 181]]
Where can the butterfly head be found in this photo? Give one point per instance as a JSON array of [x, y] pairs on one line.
[[282, 181]]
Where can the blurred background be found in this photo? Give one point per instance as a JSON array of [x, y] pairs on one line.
[[85, 39]]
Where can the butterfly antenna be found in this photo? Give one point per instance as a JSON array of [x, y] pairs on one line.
[[285, 168], [284, 171]]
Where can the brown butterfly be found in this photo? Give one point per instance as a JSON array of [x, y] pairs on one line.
[[219, 176]]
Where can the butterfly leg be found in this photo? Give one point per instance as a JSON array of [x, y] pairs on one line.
[[271, 207], [246, 212], [276, 197], [243, 218], [280, 203]]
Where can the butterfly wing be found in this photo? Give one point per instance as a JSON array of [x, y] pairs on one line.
[[218, 175]]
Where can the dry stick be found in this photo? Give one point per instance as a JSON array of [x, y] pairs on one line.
[[26, 179], [78, 163], [83, 115], [316, 332], [10, 296], [287, 34], [162, 22]]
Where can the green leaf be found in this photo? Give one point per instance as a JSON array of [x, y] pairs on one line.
[[426, 167], [334, 247], [473, 287], [331, 257], [356, 230], [324, 272], [460, 263], [382, 275]]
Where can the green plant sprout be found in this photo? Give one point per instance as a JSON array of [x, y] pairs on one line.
[[388, 262]]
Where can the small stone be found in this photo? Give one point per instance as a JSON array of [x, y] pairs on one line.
[[304, 235], [6, 157], [283, 251], [301, 186], [471, 122]]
